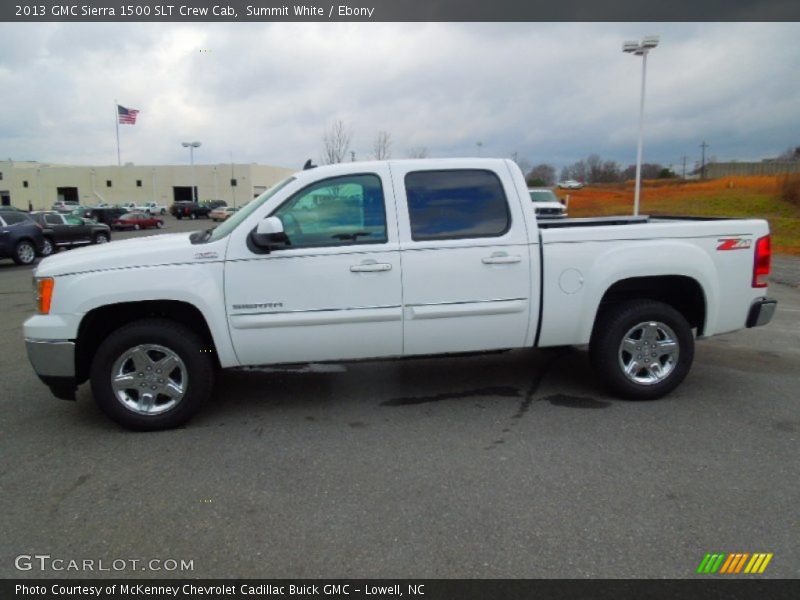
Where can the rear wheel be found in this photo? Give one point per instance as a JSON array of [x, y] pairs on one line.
[[47, 247], [642, 349], [151, 375], [24, 252], [193, 216], [159, 224], [136, 227]]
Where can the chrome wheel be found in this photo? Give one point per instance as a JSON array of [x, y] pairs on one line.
[[149, 379], [101, 238], [649, 353], [47, 247], [26, 253]]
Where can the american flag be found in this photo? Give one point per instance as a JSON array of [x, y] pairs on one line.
[[127, 116]]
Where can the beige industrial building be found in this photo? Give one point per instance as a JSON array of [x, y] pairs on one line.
[[25, 184]]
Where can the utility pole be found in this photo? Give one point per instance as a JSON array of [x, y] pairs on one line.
[[683, 158], [703, 160]]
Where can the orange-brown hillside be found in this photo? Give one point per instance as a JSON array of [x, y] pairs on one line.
[[760, 197]]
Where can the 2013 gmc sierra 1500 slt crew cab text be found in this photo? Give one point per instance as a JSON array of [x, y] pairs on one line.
[[389, 259]]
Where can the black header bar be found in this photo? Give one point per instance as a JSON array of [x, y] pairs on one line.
[[397, 10]]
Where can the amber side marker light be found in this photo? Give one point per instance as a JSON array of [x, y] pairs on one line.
[[44, 294]]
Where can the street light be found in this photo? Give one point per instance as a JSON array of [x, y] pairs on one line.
[[640, 49], [191, 146]]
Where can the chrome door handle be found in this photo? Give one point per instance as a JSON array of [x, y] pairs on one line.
[[370, 267], [500, 259]]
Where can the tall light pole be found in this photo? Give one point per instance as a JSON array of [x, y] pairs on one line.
[[640, 49], [191, 146]]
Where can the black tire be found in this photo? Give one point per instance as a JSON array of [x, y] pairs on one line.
[[48, 247], [24, 252], [101, 238], [663, 323], [136, 227], [178, 216], [199, 369], [193, 216]]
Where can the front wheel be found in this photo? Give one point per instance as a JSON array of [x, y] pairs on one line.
[[151, 374], [642, 349], [159, 224], [193, 216], [100, 238]]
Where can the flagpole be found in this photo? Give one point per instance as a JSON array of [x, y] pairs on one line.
[[116, 120]]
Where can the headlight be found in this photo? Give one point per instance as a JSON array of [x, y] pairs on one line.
[[43, 292]]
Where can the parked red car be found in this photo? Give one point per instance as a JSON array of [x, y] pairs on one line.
[[136, 220]]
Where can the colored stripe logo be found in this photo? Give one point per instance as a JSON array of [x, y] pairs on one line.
[[734, 563]]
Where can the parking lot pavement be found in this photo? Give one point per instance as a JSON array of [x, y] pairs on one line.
[[504, 465]]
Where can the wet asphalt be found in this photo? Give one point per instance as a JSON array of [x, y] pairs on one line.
[[513, 464]]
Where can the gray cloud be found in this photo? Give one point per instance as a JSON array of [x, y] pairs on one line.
[[266, 92]]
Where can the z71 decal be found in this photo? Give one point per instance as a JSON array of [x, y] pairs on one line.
[[734, 244]]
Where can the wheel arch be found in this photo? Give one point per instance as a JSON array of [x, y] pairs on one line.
[[683, 293], [98, 323]]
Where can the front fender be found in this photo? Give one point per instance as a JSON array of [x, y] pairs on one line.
[[199, 285]]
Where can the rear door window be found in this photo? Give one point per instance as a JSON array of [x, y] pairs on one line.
[[454, 204]]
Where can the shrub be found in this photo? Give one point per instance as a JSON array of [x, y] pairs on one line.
[[790, 189]]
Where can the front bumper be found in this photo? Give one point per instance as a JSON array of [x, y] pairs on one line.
[[54, 363], [761, 312]]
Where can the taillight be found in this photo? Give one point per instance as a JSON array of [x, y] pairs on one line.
[[761, 262]]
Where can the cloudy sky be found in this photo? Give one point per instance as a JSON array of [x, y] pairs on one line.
[[266, 92]]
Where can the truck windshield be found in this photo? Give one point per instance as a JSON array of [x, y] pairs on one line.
[[543, 196], [233, 221]]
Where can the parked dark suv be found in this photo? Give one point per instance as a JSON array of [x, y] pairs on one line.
[[65, 231], [189, 210], [20, 238]]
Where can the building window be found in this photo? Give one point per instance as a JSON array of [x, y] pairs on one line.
[[233, 183], [138, 183], [108, 183], [24, 184], [1, 177]]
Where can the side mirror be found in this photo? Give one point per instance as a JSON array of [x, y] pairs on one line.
[[269, 234]]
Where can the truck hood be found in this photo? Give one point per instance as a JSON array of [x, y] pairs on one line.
[[147, 251]]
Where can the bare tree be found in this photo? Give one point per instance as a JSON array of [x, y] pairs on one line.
[[790, 154], [417, 152], [541, 175], [523, 163], [336, 143], [382, 147]]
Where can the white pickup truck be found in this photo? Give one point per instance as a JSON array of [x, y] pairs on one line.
[[389, 259], [151, 208]]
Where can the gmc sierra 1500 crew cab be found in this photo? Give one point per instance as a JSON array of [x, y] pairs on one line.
[[389, 259]]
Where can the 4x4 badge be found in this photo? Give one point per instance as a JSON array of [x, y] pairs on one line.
[[205, 255]]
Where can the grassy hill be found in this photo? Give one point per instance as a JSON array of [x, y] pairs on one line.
[[759, 197]]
